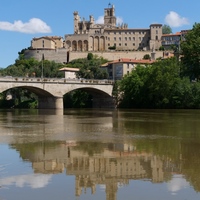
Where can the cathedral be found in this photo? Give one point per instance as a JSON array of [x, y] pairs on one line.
[[89, 36]]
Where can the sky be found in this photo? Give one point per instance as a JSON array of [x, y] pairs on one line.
[[22, 20]]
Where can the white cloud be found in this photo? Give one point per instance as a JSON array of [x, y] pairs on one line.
[[100, 20], [119, 20], [173, 19], [34, 25], [177, 183], [34, 181]]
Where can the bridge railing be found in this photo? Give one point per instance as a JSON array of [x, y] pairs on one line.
[[56, 80]]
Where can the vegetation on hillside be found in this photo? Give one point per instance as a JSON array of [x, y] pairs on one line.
[[90, 67]]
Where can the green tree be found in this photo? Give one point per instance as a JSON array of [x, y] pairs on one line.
[[150, 86], [190, 50], [90, 56], [90, 67], [146, 57], [166, 29]]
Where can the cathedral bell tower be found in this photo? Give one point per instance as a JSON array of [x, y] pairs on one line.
[[76, 22], [109, 16]]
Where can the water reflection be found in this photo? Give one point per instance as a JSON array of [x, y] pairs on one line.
[[34, 181], [108, 164], [105, 148]]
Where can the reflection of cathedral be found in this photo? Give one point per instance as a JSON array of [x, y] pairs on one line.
[[115, 165], [111, 171]]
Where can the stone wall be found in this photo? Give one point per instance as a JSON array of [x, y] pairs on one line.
[[62, 56]]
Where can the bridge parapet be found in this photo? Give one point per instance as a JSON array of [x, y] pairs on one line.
[[57, 80]]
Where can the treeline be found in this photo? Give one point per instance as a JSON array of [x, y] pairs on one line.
[[33, 68]]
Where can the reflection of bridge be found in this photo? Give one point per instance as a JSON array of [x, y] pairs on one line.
[[50, 91]]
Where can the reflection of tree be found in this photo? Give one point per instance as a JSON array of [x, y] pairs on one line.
[[90, 147], [191, 162], [28, 150]]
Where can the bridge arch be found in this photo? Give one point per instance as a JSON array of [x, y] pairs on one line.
[[45, 98], [100, 99]]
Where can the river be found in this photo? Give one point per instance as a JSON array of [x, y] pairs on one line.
[[100, 154]]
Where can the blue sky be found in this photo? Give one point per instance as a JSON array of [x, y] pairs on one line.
[[22, 20]]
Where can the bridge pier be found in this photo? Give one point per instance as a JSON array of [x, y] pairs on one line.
[[50, 102]]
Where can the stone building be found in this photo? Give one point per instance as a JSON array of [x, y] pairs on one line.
[[89, 36], [118, 68], [47, 42]]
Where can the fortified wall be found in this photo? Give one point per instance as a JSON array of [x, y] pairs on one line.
[[64, 56]]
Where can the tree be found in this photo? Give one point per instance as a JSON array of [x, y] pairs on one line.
[[166, 29], [90, 56], [90, 67], [151, 86], [146, 57], [190, 50]]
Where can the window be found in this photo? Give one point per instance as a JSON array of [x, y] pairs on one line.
[[125, 38], [129, 38], [108, 38], [114, 38], [120, 38], [108, 44], [125, 44], [120, 44], [133, 44], [133, 38]]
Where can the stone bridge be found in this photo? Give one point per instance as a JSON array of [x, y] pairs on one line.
[[50, 91]]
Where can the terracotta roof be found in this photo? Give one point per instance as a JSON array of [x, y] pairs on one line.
[[171, 34], [126, 29], [133, 61], [69, 69]]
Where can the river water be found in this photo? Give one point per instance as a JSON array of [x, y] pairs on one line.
[[100, 154]]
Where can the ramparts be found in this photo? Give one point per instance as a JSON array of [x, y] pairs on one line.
[[63, 56]]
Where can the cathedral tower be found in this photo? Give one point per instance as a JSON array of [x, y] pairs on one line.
[[109, 16]]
